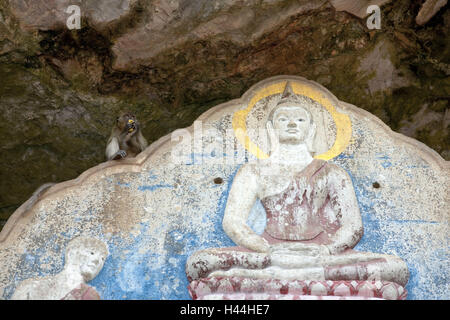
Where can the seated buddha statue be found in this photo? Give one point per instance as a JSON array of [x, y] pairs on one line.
[[313, 218]]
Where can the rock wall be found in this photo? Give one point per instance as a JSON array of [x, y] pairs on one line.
[[169, 61]]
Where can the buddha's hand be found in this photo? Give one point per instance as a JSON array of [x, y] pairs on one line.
[[298, 248], [257, 243]]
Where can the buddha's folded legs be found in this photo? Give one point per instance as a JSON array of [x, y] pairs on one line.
[[202, 263], [349, 266], [385, 267]]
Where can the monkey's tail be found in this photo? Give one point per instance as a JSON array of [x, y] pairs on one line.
[[37, 195]]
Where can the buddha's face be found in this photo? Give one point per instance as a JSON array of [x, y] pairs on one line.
[[291, 124]]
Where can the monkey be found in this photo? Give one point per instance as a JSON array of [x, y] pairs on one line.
[[126, 138]]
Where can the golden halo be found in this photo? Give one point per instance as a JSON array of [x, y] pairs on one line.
[[342, 121]]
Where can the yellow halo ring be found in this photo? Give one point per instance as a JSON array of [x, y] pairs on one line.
[[342, 121]]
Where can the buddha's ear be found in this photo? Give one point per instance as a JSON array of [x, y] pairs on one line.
[[70, 256], [310, 138], [273, 138]]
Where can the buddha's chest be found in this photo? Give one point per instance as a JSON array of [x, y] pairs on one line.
[[292, 201], [296, 213], [270, 185]]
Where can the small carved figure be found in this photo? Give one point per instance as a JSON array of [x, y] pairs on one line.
[[126, 138], [84, 259]]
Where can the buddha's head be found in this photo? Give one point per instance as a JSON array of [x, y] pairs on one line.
[[87, 255], [291, 120]]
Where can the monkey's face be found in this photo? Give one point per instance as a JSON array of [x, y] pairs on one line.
[[127, 122]]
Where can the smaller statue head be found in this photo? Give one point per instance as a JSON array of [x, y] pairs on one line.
[[86, 255], [291, 120]]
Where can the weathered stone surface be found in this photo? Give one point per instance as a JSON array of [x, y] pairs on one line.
[[428, 10], [173, 24], [49, 15], [384, 75], [154, 213]]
